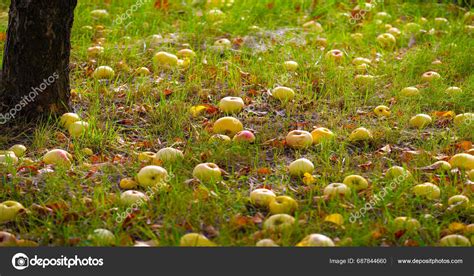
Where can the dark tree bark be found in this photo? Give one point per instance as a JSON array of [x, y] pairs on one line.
[[35, 75]]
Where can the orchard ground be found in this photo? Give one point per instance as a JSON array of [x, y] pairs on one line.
[[130, 114]]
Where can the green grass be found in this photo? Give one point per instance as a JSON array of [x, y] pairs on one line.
[[129, 114]]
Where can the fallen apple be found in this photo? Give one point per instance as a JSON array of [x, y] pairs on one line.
[[152, 175], [405, 223], [283, 205], [336, 189], [95, 51], [146, 156], [382, 111], [358, 37], [231, 104], [266, 243], [464, 119], [430, 76], [322, 134], [78, 129], [244, 136], [186, 53], [356, 182], [470, 175], [228, 126], [169, 155], [18, 150], [394, 31], [282, 93], [455, 240], [299, 139], [316, 240], [291, 65], [279, 223], [128, 184], [335, 55], [364, 79], [7, 239], [412, 28], [313, 26], [383, 16], [441, 23], [462, 161], [58, 157], [68, 118], [361, 60], [215, 15], [103, 72], [459, 201], [420, 121], [223, 43], [131, 196], [207, 172], [220, 138], [99, 14], [410, 91], [386, 40], [102, 237], [360, 134], [453, 90], [441, 166], [165, 60], [9, 210], [301, 166], [143, 71], [397, 172], [428, 190], [195, 240], [262, 197], [8, 157]]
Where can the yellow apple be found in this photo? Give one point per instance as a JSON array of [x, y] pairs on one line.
[[102, 237], [155, 40], [420, 121], [336, 189], [316, 240], [299, 139], [460, 201], [382, 111], [146, 156], [152, 175], [358, 37], [470, 175], [463, 161], [184, 63], [428, 190], [364, 79], [397, 172], [313, 26], [412, 28], [360, 134], [468, 17], [8, 157], [266, 243], [410, 91], [186, 53], [321, 134], [301, 166], [283, 205], [362, 68], [291, 65], [78, 129], [207, 172], [383, 16], [7, 239], [335, 55], [279, 223], [143, 71], [262, 197], [68, 118], [104, 72], [99, 14], [394, 31], [18, 149], [223, 43], [169, 155], [386, 40], [95, 51], [430, 76], [58, 157], [454, 240], [195, 240], [128, 183], [282, 93], [129, 197], [228, 126], [356, 182], [220, 138], [215, 15], [9, 210], [464, 119], [453, 90], [405, 223], [231, 104], [361, 60], [165, 60], [244, 136], [441, 166]]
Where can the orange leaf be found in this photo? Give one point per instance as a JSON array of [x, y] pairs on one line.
[[264, 171], [3, 36], [464, 145], [161, 4], [449, 114]]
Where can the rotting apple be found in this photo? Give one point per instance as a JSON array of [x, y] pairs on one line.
[[410, 91], [335, 55], [382, 111], [406, 223], [18, 149], [386, 40], [455, 240], [68, 118], [430, 76]]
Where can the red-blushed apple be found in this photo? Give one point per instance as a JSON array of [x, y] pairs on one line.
[[301, 166], [104, 72], [406, 223], [128, 183], [382, 111], [299, 139], [337, 189], [244, 136], [290, 65], [102, 237], [462, 161], [195, 240], [262, 197], [420, 121], [131, 196], [68, 118], [455, 240], [430, 76], [78, 129], [335, 55], [169, 155], [228, 126], [152, 175], [231, 104], [428, 190], [58, 157], [282, 93], [410, 91], [220, 138], [283, 205], [386, 40], [360, 134], [316, 240], [464, 119], [165, 60], [356, 182], [18, 149], [322, 134], [279, 223], [207, 172], [266, 243], [9, 210]]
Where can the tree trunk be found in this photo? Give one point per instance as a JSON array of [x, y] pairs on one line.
[[35, 73]]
